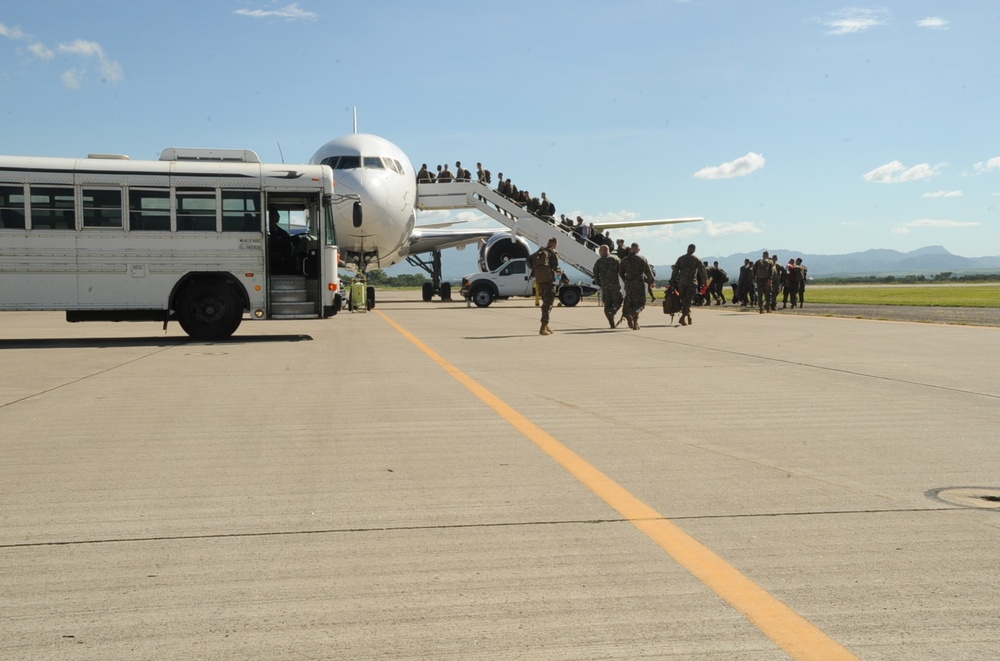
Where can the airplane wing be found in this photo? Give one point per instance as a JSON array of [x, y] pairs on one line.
[[426, 239], [612, 224]]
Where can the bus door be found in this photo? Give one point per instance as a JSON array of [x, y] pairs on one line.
[[293, 240]]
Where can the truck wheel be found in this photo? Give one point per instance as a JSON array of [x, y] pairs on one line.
[[209, 310], [482, 297], [569, 296]]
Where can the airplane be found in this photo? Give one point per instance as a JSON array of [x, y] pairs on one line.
[[375, 214]]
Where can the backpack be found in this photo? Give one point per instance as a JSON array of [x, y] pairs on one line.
[[762, 269], [671, 301], [539, 265]]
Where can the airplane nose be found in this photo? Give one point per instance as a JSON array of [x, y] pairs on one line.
[[371, 188]]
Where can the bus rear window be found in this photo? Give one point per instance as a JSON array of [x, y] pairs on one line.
[[52, 209], [12, 207], [149, 210], [195, 210], [240, 211], [102, 208]]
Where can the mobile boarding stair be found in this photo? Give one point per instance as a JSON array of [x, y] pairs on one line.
[[476, 195]]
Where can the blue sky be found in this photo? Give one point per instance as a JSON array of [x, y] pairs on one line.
[[821, 127]]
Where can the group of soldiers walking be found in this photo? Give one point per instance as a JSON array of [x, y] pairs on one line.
[[761, 282], [625, 277], [623, 281]]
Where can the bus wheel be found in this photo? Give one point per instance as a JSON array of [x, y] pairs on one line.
[[209, 310]]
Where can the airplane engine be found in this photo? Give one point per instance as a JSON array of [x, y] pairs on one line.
[[500, 248]]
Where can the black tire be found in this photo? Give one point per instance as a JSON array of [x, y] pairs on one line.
[[445, 291], [428, 292], [369, 298], [209, 310], [482, 296], [569, 296]]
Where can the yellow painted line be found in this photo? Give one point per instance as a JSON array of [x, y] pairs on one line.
[[789, 630]]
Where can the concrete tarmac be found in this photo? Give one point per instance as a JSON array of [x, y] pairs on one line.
[[431, 481]]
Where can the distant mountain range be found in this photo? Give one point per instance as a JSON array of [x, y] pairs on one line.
[[930, 260]]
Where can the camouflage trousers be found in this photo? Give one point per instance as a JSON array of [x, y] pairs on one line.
[[687, 294], [635, 298], [547, 292], [612, 297]]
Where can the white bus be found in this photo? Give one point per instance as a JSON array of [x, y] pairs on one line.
[[200, 236]]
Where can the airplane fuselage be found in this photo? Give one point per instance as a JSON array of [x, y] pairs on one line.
[[377, 174]]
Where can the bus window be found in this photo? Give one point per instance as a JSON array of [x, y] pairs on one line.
[[52, 209], [374, 163], [102, 208], [240, 211], [12, 207], [149, 210], [196, 210]]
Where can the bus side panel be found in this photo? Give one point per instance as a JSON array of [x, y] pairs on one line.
[[139, 270], [38, 270]]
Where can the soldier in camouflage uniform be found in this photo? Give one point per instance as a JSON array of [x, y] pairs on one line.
[[544, 265], [636, 273], [689, 277], [762, 274], [606, 276]]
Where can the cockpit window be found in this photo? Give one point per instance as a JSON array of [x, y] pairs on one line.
[[370, 162], [349, 162]]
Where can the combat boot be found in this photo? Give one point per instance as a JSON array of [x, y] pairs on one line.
[[542, 330], [611, 318], [548, 331]]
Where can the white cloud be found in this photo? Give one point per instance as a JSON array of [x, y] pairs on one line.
[[933, 23], [12, 33], [739, 168], [986, 166], [944, 193], [292, 12], [895, 173], [83, 47], [904, 228], [111, 71], [715, 230], [73, 79], [41, 51], [854, 19]]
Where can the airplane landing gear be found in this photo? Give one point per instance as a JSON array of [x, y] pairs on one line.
[[433, 268]]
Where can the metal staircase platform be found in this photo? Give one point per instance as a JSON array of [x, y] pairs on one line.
[[476, 195]]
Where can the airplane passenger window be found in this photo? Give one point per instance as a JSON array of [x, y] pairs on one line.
[[374, 163]]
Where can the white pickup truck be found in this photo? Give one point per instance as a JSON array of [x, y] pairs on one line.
[[513, 278]]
